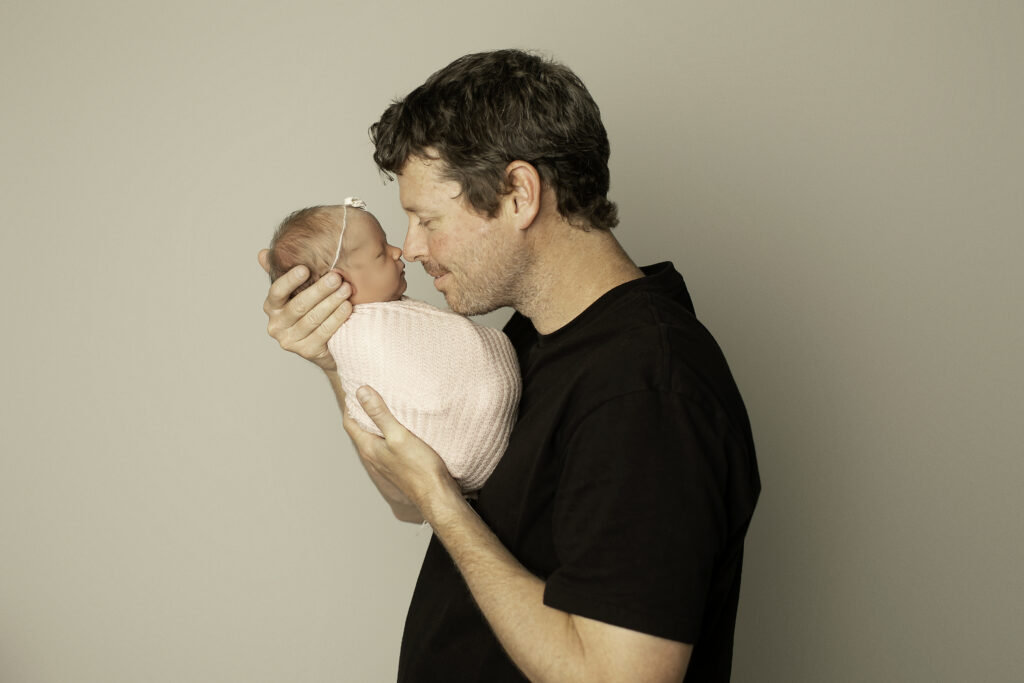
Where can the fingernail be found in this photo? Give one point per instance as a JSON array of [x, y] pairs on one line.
[[345, 290], [333, 280], [363, 394]]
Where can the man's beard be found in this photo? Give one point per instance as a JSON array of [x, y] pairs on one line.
[[475, 299], [487, 291]]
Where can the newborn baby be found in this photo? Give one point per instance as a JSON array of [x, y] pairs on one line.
[[453, 383]]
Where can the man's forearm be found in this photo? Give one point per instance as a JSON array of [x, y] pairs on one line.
[[400, 505], [542, 641], [547, 644]]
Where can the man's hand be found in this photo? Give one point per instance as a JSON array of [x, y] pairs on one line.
[[304, 324], [401, 459]]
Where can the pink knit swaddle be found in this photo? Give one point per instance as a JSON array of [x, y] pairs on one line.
[[451, 382]]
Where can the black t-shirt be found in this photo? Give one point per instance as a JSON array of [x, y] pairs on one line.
[[627, 486]]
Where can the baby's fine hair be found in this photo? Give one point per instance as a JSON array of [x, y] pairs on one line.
[[307, 237]]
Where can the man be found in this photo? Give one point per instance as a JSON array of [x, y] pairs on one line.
[[607, 544]]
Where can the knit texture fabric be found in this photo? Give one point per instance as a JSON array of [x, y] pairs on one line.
[[453, 383]]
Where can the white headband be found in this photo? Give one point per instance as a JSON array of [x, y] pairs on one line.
[[356, 203]]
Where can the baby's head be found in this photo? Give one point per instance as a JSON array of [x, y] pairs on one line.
[[310, 237]]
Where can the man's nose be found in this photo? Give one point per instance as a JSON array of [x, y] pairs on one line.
[[415, 246]]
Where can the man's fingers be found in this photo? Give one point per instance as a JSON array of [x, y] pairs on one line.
[[336, 318], [317, 325], [366, 443], [283, 287], [362, 439], [349, 424], [378, 411], [306, 300], [316, 299]]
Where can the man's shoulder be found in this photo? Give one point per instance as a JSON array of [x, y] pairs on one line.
[[643, 327], [641, 309], [648, 339]]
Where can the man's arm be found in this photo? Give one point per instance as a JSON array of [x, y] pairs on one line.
[[303, 325], [545, 643]]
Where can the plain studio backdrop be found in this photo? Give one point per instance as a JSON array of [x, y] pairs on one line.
[[840, 183]]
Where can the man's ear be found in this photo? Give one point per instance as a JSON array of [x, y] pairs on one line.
[[523, 201]]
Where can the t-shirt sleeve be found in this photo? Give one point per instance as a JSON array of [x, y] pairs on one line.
[[639, 515]]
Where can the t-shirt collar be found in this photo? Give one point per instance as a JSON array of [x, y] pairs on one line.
[[657, 277]]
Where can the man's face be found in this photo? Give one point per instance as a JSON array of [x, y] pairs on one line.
[[475, 260], [373, 267]]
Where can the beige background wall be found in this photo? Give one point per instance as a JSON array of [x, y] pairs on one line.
[[840, 182]]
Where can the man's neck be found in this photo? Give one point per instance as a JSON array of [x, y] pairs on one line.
[[572, 269]]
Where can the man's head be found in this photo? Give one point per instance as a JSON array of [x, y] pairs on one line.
[[368, 263], [485, 110], [481, 150]]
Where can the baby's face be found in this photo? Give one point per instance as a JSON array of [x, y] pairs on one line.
[[373, 267]]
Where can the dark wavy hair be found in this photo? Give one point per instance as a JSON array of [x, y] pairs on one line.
[[485, 110]]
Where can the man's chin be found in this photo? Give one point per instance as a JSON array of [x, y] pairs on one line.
[[454, 304], [465, 308]]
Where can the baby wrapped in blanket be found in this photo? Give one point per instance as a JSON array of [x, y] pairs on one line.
[[453, 383]]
